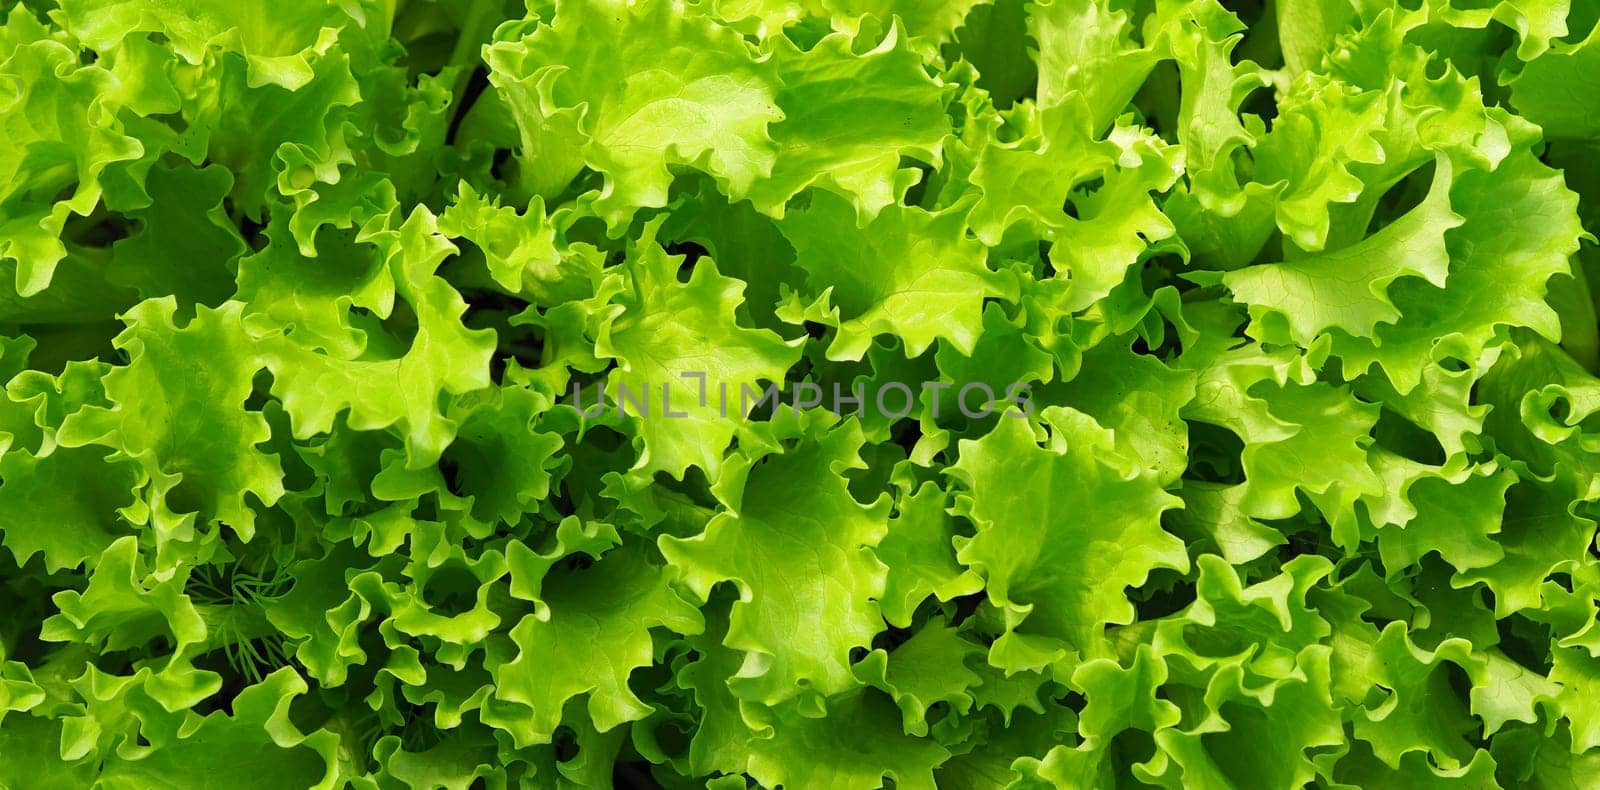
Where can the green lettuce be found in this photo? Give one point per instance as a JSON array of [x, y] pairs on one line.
[[579, 393]]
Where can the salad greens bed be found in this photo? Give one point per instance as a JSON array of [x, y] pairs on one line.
[[308, 307]]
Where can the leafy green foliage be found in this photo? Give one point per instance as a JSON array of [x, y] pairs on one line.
[[319, 324]]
